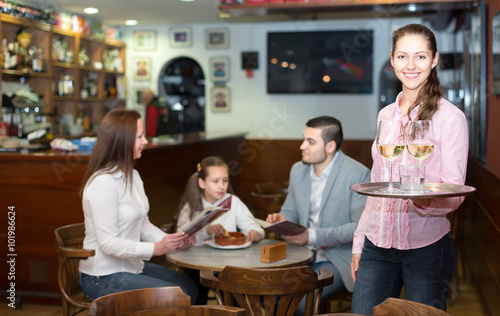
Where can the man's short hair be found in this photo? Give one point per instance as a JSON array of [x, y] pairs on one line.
[[331, 129]]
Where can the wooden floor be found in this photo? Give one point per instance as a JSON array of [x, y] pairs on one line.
[[465, 303]]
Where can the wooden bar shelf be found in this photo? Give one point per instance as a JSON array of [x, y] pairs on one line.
[[45, 83]]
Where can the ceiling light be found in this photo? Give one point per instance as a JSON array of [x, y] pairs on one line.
[[131, 22], [91, 10]]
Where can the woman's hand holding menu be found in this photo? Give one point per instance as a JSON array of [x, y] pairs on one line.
[[169, 242]]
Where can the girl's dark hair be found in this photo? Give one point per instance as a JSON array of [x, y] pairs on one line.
[[430, 93], [114, 146], [193, 193]]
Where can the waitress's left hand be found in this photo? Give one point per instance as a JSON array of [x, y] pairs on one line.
[[253, 235], [421, 202]]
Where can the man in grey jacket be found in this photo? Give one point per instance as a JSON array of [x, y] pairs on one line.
[[320, 199]]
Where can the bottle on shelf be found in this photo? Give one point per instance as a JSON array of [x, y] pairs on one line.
[[60, 85], [110, 87], [5, 54], [30, 57], [84, 89], [87, 114], [39, 64], [83, 58], [16, 58], [92, 84], [79, 116], [16, 127], [68, 88], [59, 49], [12, 57], [35, 60]]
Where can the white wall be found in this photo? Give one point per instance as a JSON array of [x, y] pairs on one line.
[[253, 110]]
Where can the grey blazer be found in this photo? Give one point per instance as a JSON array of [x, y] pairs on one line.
[[340, 211]]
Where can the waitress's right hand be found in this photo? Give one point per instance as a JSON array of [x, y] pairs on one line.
[[169, 242], [355, 265]]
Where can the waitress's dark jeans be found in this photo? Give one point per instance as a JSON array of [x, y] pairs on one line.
[[425, 274], [152, 276]]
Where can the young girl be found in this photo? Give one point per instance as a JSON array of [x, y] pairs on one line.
[[208, 187], [408, 242]]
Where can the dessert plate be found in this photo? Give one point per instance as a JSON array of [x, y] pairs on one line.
[[212, 244]]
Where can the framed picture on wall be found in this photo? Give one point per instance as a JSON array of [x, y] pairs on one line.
[[221, 99], [142, 68], [217, 38], [180, 37], [219, 69], [137, 96], [145, 40]]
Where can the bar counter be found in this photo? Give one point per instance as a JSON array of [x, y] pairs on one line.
[[43, 190]]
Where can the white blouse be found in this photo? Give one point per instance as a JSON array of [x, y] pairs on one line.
[[117, 225]]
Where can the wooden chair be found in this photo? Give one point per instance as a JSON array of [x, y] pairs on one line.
[[137, 300], [69, 244], [264, 204], [343, 301], [170, 300], [268, 291], [194, 310], [400, 307], [269, 187]]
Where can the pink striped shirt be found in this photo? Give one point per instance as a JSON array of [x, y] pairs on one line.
[[398, 223]]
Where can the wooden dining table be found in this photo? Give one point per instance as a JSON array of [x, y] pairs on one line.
[[208, 257]]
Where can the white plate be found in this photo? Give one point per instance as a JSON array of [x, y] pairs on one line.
[[212, 244]]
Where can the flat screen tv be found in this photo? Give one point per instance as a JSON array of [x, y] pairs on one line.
[[320, 62]]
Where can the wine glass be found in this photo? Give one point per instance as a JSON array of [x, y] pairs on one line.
[[420, 139], [390, 144]]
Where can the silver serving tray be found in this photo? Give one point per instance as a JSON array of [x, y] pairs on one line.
[[432, 190]]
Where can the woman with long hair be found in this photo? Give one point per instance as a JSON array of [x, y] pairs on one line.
[[407, 242], [116, 208]]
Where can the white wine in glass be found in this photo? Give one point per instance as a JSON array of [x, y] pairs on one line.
[[420, 139], [390, 144]]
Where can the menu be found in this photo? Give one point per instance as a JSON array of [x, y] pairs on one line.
[[284, 228], [208, 215], [203, 219]]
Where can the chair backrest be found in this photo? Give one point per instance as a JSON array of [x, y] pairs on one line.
[[69, 244], [194, 310], [268, 291], [138, 300], [400, 307], [264, 204], [270, 187]]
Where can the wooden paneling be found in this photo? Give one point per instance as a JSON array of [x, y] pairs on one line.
[[482, 235], [271, 160]]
